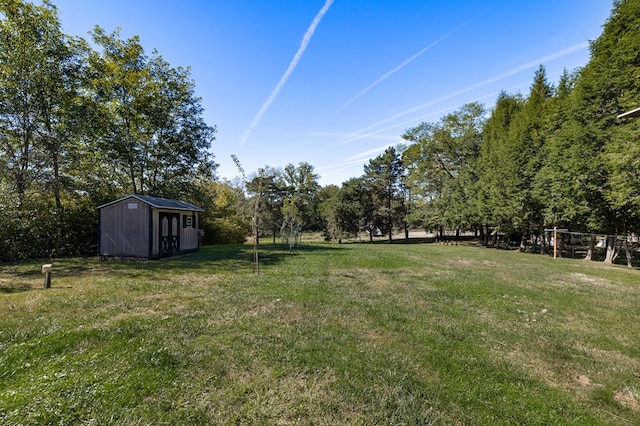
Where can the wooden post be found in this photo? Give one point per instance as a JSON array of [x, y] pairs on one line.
[[46, 270], [555, 242]]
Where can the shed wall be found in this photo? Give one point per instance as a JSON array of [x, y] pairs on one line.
[[189, 234], [124, 229]]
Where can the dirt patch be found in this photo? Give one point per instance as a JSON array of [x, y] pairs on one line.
[[627, 399], [583, 380]]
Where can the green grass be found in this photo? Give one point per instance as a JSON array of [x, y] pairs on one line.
[[332, 334]]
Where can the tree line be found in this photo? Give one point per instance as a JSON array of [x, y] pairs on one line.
[[558, 156], [82, 126]]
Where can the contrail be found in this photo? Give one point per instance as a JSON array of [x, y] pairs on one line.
[[369, 153], [287, 73], [399, 67], [357, 159], [346, 135], [374, 135], [520, 68]]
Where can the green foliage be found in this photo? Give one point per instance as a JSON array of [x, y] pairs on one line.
[[79, 128], [557, 157], [40, 76], [564, 182], [384, 177], [443, 170], [329, 210], [151, 127], [302, 183], [223, 220], [267, 188], [38, 229], [349, 210]]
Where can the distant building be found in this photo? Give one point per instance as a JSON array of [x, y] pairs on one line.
[[148, 227]]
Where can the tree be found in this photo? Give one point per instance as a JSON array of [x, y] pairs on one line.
[[267, 187], [607, 86], [384, 176], [442, 168], [291, 222], [611, 77], [562, 181], [527, 138], [329, 209], [223, 220], [497, 194], [151, 130], [40, 73], [301, 183], [357, 208]]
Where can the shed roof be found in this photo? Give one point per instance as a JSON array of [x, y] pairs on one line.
[[159, 203]]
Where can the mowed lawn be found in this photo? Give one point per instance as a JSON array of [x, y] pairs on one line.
[[332, 334]]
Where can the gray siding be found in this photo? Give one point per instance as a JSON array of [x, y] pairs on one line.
[[190, 233], [124, 229], [131, 227]]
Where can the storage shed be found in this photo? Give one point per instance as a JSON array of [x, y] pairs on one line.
[[148, 227]]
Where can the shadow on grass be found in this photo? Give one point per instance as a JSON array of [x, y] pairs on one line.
[[222, 259], [212, 259], [14, 289], [238, 257], [381, 240]]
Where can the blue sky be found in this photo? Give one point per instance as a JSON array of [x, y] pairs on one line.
[[334, 83]]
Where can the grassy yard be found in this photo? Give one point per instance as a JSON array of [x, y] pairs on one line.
[[332, 334]]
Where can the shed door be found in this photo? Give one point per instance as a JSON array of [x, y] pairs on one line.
[[169, 233]]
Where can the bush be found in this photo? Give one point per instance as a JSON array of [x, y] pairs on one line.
[[38, 229], [224, 231]]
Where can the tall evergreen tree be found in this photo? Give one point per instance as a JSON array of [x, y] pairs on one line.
[[613, 79], [528, 140], [498, 167], [384, 175], [562, 182]]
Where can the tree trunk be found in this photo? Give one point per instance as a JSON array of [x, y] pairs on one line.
[[592, 245], [628, 253], [23, 167], [612, 252], [56, 180], [560, 245], [544, 245], [534, 243]]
